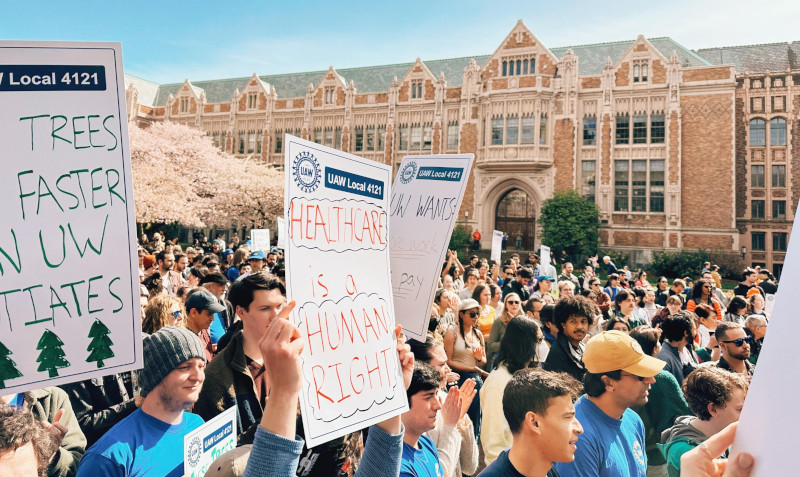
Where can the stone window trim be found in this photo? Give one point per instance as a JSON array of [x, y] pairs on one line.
[[639, 186], [452, 136], [183, 104], [640, 71], [779, 241], [757, 207], [252, 100], [416, 89], [758, 241], [779, 209], [639, 128], [757, 176], [590, 130], [518, 65], [329, 95]]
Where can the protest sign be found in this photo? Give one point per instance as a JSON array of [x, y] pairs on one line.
[[769, 303], [544, 257], [207, 443], [497, 245], [767, 422], [426, 197], [281, 233], [69, 291], [337, 254], [260, 239]]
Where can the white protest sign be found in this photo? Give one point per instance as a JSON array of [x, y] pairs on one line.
[[281, 233], [207, 443], [769, 303], [767, 422], [337, 215], [497, 245], [544, 256], [260, 239], [68, 262], [426, 197]]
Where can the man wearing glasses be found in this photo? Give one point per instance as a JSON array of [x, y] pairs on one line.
[[734, 346], [619, 375]]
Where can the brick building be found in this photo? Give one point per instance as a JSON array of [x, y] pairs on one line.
[[680, 149]]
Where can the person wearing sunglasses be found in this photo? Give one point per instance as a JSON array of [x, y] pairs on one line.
[[512, 306], [734, 346], [618, 376]]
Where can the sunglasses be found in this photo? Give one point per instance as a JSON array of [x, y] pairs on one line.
[[513, 302], [640, 378], [177, 314], [473, 314], [739, 342]]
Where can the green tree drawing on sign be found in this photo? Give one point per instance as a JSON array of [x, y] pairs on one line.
[[7, 366], [100, 346], [52, 356]]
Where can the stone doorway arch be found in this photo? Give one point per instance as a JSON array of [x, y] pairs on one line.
[[515, 214]]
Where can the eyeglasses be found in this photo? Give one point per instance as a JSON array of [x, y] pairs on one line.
[[739, 342], [473, 314], [177, 314], [513, 302], [640, 378]]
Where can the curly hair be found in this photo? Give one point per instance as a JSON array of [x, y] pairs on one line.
[[18, 427], [711, 385], [157, 314], [573, 306]]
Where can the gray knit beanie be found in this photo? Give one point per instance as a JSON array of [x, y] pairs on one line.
[[164, 351]]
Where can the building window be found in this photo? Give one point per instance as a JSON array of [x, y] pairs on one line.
[[757, 209], [657, 129], [527, 130], [402, 141], [657, 186], [519, 66], [777, 132], [778, 241], [251, 142], [622, 128], [640, 129], [318, 135], [184, 105], [252, 101], [497, 131], [416, 137], [778, 209], [416, 89], [589, 131], [757, 176], [779, 176], [330, 94], [259, 140], [640, 71], [452, 135], [329, 137], [588, 169], [512, 129], [758, 241], [278, 142], [381, 137], [241, 143], [543, 129], [639, 184], [427, 136], [621, 186], [359, 138], [337, 137], [758, 132], [505, 68]]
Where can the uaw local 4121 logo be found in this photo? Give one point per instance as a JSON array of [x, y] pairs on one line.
[[408, 172], [306, 172]]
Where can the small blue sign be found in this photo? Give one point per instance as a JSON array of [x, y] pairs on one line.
[[52, 78], [452, 174], [213, 438], [353, 183]]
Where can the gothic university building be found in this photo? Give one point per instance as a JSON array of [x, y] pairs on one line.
[[679, 149]]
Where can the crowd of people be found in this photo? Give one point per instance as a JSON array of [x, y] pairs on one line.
[[525, 371]]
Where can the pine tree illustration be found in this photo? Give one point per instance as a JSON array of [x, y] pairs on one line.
[[52, 356], [100, 346], [7, 366]]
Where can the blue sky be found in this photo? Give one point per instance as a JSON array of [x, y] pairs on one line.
[[167, 41]]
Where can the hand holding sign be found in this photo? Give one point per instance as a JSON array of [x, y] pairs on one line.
[[281, 347]]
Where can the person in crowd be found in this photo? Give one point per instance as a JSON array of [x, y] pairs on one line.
[[447, 308], [611, 268], [750, 281], [52, 409], [476, 240], [217, 284], [453, 433], [276, 448], [625, 306], [512, 306], [472, 278], [756, 328], [256, 261], [150, 440], [619, 375], [716, 398], [201, 305], [737, 310], [566, 274], [483, 295], [566, 288], [617, 323], [716, 276], [673, 305], [420, 456], [453, 267], [716, 292], [767, 282], [170, 279], [603, 300], [641, 280], [650, 307], [573, 317], [239, 258], [702, 293], [519, 284], [496, 300], [756, 304], [181, 264], [543, 288], [662, 287], [549, 327], [539, 411], [588, 274], [517, 351], [707, 320], [152, 284], [734, 345], [161, 311], [664, 404], [466, 353], [679, 331], [26, 447], [196, 274], [532, 308], [506, 275], [612, 286], [677, 289]]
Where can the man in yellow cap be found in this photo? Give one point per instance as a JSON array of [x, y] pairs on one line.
[[619, 375]]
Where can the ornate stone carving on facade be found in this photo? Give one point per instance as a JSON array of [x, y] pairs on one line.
[[307, 108], [470, 88], [349, 100], [168, 109], [394, 90], [607, 83], [441, 87], [674, 81], [568, 69], [511, 153]]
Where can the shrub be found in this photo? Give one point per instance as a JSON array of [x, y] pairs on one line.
[[679, 264]]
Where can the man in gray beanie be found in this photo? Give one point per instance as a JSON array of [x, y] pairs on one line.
[[150, 441]]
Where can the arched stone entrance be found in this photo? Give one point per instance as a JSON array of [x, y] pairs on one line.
[[515, 214]]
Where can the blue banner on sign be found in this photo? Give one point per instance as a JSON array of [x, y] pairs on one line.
[[52, 78], [353, 183], [440, 173], [212, 439]]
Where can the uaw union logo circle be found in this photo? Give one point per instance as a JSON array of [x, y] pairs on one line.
[[306, 171], [408, 172], [195, 451]]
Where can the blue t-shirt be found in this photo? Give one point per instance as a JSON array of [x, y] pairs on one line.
[[217, 328], [608, 447], [502, 467], [139, 445], [422, 462]]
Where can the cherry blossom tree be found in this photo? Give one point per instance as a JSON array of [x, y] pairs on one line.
[[180, 176]]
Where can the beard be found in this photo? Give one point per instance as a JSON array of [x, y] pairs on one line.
[[742, 355]]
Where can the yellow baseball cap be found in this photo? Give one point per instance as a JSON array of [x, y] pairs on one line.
[[613, 350]]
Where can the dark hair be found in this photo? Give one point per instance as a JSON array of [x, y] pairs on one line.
[[215, 277], [617, 319], [241, 293], [747, 272], [622, 295], [18, 427], [573, 305], [198, 272], [704, 311], [723, 327], [531, 390], [528, 305], [160, 255], [425, 378], [639, 292], [422, 349], [647, 337], [547, 314], [737, 303], [697, 290], [677, 325], [518, 346], [494, 290], [593, 384], [476, 293], [179, 256], [153, 282], [525, 272], [710, 385]]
